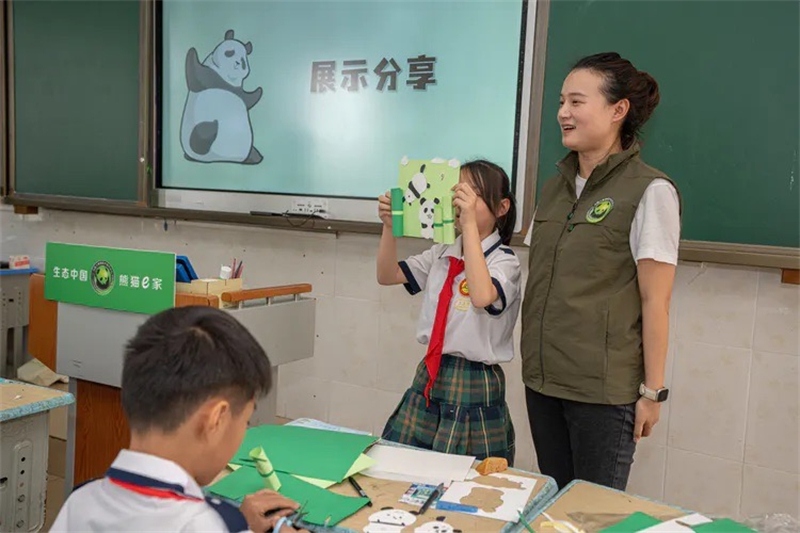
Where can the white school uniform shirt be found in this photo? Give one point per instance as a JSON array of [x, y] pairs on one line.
[[482, 335], [656, 227], [102, 505]]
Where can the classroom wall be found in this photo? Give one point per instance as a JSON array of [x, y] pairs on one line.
[[728, 439]]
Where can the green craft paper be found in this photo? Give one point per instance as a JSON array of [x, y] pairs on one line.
[[362, 463], [723, 525], [265, 468], [308, 452], [437, 223], [397, 212], [632, 524], [448, 219], [319, 504], [238, 484]]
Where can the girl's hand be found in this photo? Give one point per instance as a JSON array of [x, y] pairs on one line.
[[465, 200], [385, 209]]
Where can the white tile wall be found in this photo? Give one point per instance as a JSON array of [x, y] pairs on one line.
[[728, 438]]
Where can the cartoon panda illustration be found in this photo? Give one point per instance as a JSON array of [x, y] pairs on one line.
[[389, 520], [215, 126], [439, 526], [418, 185], [426, 207]]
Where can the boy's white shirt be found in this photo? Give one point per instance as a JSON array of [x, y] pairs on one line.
[[656, 227], [103, 506]]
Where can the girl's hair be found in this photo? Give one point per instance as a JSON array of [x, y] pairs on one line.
[[493, 186], [623, 80]]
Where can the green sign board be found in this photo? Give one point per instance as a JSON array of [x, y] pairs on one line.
[[137, 281]]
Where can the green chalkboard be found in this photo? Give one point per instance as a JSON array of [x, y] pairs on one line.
[[75, 75], [727, 127]]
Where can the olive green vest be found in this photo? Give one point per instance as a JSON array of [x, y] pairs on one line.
[[582, 312]]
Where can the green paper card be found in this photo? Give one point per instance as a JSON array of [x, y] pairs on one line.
[[239, 483], [314, 453], [632, 524], [426, 183], [320, 505]]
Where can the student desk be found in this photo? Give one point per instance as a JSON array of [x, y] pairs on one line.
[[385, 493], [24, 440], [593, 507]]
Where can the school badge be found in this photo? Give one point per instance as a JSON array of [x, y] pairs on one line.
[[463, 288], [599, 210]]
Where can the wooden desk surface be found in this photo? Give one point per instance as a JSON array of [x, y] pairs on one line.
[[21, 399], [591, 507], [385, 493]]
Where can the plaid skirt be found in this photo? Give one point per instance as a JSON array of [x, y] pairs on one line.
[[467, 415]]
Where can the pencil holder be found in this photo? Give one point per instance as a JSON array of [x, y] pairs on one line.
[[397, 212]]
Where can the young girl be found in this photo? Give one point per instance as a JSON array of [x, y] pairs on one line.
[[456, 403]]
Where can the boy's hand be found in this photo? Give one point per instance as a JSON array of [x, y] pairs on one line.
[[263, 509], [385, 209], [465, 200]]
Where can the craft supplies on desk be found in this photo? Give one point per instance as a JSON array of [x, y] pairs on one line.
[[498, 496], [300, 463], [337, 503]]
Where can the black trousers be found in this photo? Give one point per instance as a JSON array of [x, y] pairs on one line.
[[575, 440]]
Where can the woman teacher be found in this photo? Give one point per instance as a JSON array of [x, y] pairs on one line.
[[603, 253]]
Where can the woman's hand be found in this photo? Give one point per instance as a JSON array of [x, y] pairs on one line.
[[465, 200]]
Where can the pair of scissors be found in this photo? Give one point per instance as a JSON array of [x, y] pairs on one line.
[[291, 520]]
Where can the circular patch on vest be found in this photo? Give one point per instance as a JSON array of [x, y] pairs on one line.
[[599, 210], [463, 288]]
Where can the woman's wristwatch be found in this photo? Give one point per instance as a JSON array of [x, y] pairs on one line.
[[655, 395]]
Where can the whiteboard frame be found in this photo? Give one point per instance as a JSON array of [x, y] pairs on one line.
[[346, 209]]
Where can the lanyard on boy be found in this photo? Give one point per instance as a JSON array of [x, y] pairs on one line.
[[433, 357]]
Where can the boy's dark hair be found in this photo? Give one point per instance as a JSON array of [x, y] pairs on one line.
[[183, 356], [623, 80], [492, 184]]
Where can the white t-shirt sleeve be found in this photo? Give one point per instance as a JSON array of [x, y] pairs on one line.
[[506, 274], [656, 227], [416, 269], [527, 239]]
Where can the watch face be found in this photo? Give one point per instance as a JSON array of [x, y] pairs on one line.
[[661, 395]]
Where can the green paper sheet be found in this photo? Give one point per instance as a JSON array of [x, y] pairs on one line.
[[314, 453], [239, 483], [319, 503], [723, 525], [632, 524], [362, 463]]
